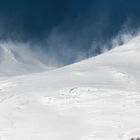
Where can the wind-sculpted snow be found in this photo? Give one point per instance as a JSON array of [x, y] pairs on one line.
[[96, 99], [18, 60]]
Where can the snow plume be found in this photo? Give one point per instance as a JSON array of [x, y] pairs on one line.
[[87, 37], [64, 32], [18, 58], [21, 58], [63, 45], [123, 36], [59, 49]]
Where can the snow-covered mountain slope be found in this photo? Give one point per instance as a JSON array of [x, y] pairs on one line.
[[16, 60], [96, 99]]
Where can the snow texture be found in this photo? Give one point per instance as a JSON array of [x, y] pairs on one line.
[[96, 99]]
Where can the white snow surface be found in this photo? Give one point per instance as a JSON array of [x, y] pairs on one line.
[[96, 99]]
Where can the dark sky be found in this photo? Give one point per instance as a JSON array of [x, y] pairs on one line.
[[37, 17], [73, 24]]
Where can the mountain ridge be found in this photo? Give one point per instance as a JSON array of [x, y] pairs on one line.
[[95, 99]]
